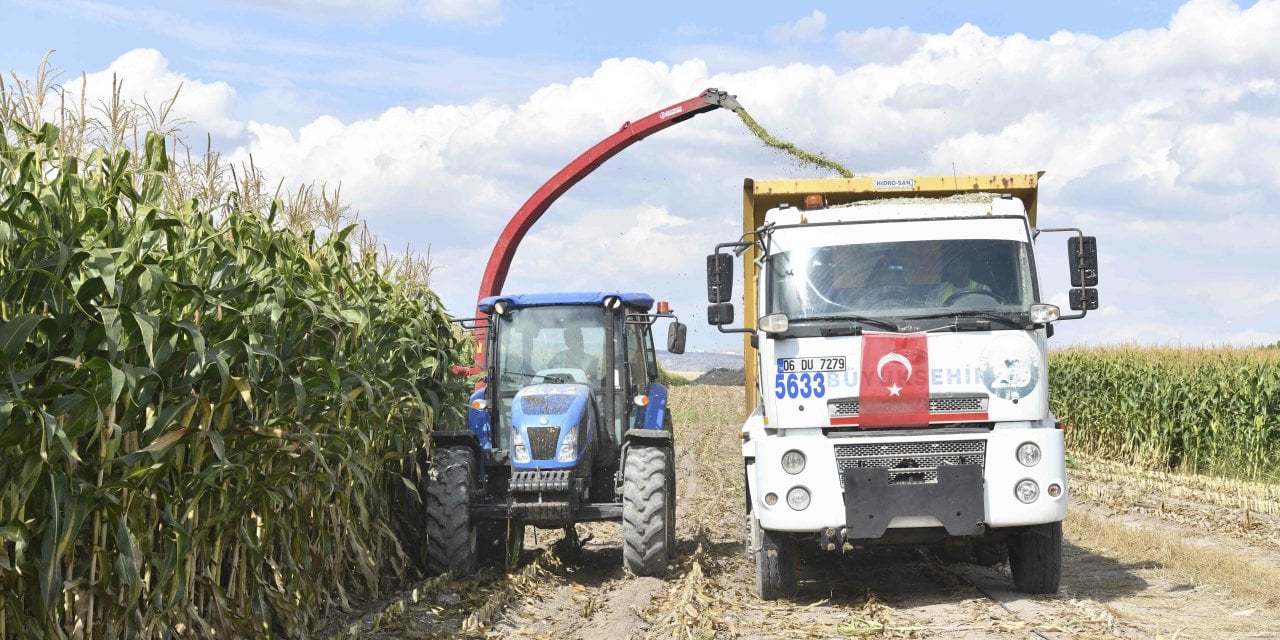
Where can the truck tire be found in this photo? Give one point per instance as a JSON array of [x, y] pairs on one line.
[[451, 537], [775, 553], [646, 511], [499, 543], [1035, 558]]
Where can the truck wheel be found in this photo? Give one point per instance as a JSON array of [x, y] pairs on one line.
[[500, 543], [646, 511], [451, 538], [1035, 558], [775, 553]]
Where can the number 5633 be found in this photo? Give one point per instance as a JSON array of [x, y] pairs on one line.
[[801, 385]]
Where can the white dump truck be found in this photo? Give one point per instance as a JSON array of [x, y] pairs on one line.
[[897, 370]]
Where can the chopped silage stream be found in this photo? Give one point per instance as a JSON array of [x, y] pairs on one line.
[[1112, 586]]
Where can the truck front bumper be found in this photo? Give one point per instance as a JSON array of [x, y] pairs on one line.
[[965, 494]]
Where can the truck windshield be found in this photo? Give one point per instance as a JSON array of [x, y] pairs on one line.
[[545, 344], [901, 278]]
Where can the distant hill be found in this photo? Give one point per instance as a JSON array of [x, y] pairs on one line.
[[699, 361]]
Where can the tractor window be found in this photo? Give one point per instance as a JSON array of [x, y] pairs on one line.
[[541, 344], [637, 367]]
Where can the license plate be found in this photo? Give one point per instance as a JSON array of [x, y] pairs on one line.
[[819, 363]]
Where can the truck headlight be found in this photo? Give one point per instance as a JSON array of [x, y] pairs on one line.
[[569, 448], [1029, 454], [1027, 491], [798, 498], [519, 450], [793, 462]]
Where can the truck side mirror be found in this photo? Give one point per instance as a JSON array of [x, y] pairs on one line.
[[1084, 299], [719, 278], [720, 314], [675, 338], [1082, 252]]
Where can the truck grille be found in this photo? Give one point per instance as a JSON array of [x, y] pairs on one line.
[[846, 407], [543, 441], [910, 462]]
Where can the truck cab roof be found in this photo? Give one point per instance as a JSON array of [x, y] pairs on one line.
[[634, 300], [963, 205]]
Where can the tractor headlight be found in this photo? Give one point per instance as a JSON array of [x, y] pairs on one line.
[[1029, 454], [569, 448], [793, 462], [519, 450], [1027, 491]]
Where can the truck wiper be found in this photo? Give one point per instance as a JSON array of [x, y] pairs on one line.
[[875, 322], [971, 313]]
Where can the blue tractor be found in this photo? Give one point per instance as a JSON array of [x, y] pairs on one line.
[[571, 426]]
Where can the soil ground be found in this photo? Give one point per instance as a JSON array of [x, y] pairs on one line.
[[1146, 556]]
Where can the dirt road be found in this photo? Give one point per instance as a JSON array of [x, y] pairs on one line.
[[1146, 556]]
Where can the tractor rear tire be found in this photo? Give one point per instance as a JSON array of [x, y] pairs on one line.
[[648, 498], [1035, 558], [775, 553], [451, 536]]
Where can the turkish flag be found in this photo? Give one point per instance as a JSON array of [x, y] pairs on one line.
[[894, 382]]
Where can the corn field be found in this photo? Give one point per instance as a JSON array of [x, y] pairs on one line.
[[1198, 410], [209, 424]]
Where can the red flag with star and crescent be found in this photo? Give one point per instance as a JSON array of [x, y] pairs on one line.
[[894, 381]]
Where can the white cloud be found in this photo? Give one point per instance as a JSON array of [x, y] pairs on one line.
[[880, 44], [145, 79], [1172, 166], [806, 30]]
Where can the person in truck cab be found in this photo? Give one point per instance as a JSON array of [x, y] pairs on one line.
[[957, 276], [574, 357]]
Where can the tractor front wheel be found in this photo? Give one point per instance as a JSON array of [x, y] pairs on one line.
[[648, 498], [451, 537]]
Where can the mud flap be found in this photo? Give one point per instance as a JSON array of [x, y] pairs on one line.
[[871, 503]]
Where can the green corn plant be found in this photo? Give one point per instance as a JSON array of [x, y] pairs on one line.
[[1198, 410], [209, 424]]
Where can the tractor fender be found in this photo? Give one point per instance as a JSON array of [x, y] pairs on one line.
[[648, 436], [467, 439]]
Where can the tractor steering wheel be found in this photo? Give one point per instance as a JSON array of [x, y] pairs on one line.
[[951, 299]]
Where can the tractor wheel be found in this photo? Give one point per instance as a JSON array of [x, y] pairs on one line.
[[451, 538], [671, 503], [1035, 558], [775, 553], [500, 542], [647, 501], [671, 479]]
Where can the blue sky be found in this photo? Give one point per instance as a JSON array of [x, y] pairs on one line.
[[1156, 123]]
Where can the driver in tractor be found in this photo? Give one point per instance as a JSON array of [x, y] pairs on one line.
[[957, 277], [574, 357]]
